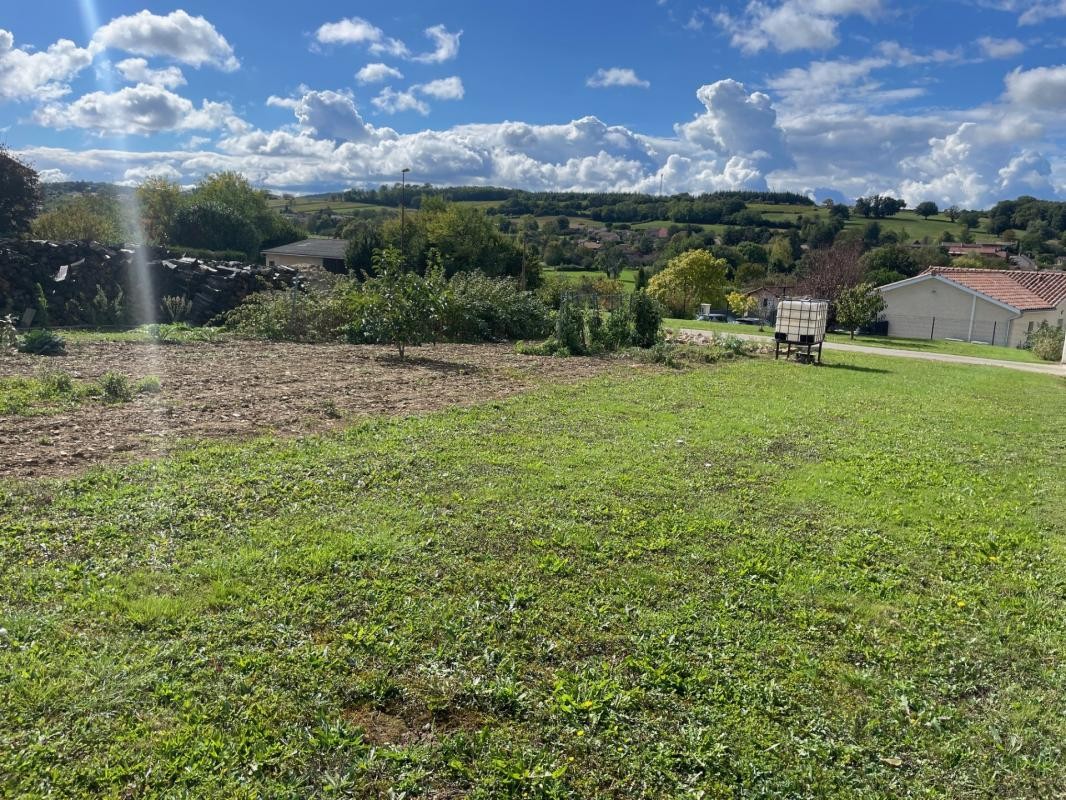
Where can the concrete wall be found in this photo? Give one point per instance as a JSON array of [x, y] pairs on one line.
[[278, 260], [932, 306]]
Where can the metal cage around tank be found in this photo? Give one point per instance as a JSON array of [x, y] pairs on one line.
[[800, 327]]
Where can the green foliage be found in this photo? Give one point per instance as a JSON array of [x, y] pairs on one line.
[[149, 384], [108, 311], [20, 194], [175, 308], [158, 201], [115, 387], [647, 317], [1046, 342], [42, 342], [404, 308], [211, 225], [926, 209], [858, 306], [893, 259], [689, 279], [477, 308], [312, 315], [741, 305], [41, 317], [88, 217]]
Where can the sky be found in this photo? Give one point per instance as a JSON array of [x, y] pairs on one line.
[[957, 102]]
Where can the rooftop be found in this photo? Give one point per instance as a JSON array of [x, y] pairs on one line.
[[312, 248], [1025, 290]]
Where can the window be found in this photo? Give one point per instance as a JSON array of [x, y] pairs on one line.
[[1030, 328]]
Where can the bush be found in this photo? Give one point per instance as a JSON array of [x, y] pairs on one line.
[[42, 342], [404, 308], [1045, 342], [214, 226], [176, 307], [314, 315], [647, 317], [115, 387], [149, 384], [478, 308], [55, 382]]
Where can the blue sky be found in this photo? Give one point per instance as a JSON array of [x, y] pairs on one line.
[[958, 102]]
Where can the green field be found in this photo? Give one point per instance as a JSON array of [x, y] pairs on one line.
[[924, 345], [760, 580], [628, 277]]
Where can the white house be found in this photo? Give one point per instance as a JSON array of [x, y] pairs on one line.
[[997, 306]]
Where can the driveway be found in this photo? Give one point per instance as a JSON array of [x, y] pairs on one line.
[[1049, 368]]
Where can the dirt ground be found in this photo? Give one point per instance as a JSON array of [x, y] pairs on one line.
[[243, 389]]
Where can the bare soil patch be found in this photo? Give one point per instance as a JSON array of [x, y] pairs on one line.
[[244, 389]]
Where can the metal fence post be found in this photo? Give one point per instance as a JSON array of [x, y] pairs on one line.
[[931, 329]]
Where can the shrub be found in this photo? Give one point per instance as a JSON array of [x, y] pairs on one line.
[[312, 315], [647, 317], [214, 226], [55, 382], [115, 387], [43, 342], [1045, 342], [479, 308], [149, 384], [176, 307]]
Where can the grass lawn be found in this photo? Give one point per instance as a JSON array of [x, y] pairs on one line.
[[628, 277], [925, 345], [759, 580]]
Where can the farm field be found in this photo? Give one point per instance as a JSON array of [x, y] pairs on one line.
[[924, 345], [752, 580], [914, 226], [628, 277], [234, 388]]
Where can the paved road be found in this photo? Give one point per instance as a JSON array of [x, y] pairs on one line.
[[1045, 369]]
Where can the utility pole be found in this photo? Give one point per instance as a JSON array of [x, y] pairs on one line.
[[660, 184], [403, 219]]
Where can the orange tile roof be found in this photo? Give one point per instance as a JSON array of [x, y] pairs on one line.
[[1025, 290]]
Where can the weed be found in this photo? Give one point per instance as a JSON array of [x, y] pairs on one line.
[[115, 387]]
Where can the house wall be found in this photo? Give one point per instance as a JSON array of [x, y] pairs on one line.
[[1030, 321], [932, 306], [278, 260]]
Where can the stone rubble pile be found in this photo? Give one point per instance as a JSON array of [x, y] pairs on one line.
[[72, 276]]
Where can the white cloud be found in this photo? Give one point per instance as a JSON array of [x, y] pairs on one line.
[[179, 36], [447, 45], [1041, 12], [736, 123], [792, 24], [442, 88], [1041, 89], [356, 30], [136, 70], [141, 109], [1000, 48], [331, 115], [135, 176], [26, 75], [392, 102], [615, 76], [376, 73], [53, 176]]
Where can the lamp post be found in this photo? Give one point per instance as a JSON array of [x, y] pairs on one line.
[[403, 218]]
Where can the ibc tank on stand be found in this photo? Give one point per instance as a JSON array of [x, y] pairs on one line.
[[800, 327]]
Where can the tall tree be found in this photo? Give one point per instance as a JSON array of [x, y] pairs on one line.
[[20, 194], [158, 200], [827, 272], [927, 209]]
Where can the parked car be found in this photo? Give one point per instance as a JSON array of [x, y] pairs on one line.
[[711, 317], [748, 321]]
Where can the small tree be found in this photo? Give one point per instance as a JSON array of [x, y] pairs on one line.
[[858, 306], [404, 307], [693, 277], [927, 209], [647, 319], [158, 200], [741, 304], [20, 194], [214, 226]]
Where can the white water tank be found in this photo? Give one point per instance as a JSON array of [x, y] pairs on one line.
[[801, 321]]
